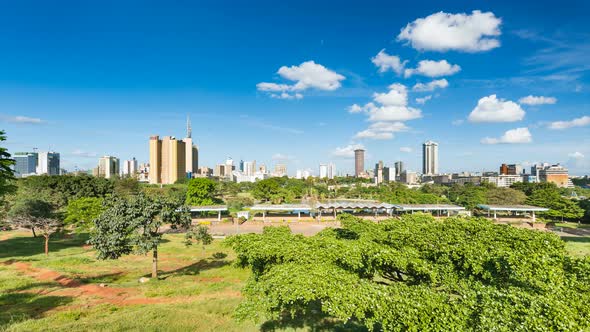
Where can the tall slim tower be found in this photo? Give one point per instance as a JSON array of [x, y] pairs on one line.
[[430, 158], [359, 162], [191, 151]]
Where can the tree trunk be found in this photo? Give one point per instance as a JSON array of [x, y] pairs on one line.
[[33, 229], [155, 263], [46, 245]]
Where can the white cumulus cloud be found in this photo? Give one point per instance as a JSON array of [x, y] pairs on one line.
[[308, 75], [537, 100], [432, 68], [381, 130], [387, 62], [346, 151], [431, 86], [492, 109], [512, 136], [283, 157], [579, 122], [460, 32], [311, 75], [576, 155]]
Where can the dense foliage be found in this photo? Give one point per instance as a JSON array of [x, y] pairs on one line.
[[201, 192], [36, 215], [133, 225], [417, 274], [82, 211]]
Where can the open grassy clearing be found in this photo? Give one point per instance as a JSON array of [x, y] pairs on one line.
[[198, 290]]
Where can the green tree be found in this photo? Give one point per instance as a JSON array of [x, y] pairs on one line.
[[266, 189], [6, 172], [416, 274], [559, 207], [201, 192], [505, 196], [133, 225], [82, 211], [198, 234], [37, 215]]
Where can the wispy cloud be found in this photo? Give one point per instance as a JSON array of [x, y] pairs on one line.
[[21, 119], [84, 154]]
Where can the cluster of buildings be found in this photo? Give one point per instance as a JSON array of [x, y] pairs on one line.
[[37, 163], [171, 160]]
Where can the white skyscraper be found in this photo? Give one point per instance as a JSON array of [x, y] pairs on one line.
[[48, 163], [130, 167], [430, 158], [327, 171], [249, 167]]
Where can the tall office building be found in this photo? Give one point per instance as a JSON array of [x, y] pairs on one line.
[[249, 167], [130, 167], [359, 161], [229, 167], [388, 174], [241, 166], [280, 170], [399, 168], [556, 174], [108, 167], [327, 171], [192, 151], [25, 163], [513, 169], [379, 172], [48, 163], [167, 160], [430, 158]]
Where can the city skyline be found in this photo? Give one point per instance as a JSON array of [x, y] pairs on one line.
[[517, 93]]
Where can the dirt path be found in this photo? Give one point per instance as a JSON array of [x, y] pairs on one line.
[[95, 294]]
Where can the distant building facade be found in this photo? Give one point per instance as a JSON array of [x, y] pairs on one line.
[[130, 167], [25, 163], [167, 160], [359, 162], [48, 163], [108, 167], [430, 158]]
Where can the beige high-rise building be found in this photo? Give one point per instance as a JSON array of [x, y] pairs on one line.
[[167, 160], [359, 162]]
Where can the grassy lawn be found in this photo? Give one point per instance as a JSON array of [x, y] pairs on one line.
[[198, 290]]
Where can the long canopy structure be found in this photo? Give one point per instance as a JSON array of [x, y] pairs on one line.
[[427, 207], [281, 207], [334, 206], [210, 208], [512, 208]]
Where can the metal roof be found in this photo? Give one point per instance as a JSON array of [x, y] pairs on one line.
[[209, 208], [427, 207], [281, 207], [512, 208], [353, 205]]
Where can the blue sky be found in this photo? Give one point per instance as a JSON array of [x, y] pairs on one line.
[[98, 78]]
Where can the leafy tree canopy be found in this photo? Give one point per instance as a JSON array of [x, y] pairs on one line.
[[201, 192], [82, 211], [133, 225], [417, 274]]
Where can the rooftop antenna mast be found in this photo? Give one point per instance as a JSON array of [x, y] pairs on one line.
[[189, 130]]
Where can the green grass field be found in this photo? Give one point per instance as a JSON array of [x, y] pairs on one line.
[[198, 289]]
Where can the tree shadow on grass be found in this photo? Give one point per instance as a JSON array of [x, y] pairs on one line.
[[313, 320], [215, 262], [17, 307], [23, 246], [577, 239]]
